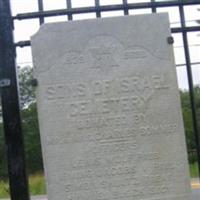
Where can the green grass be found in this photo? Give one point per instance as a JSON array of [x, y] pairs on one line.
[[36, 186], [37, 183], [4, 189], [194, 170]]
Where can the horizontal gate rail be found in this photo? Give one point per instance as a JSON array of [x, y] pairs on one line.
[[124, 6], [173, 30]]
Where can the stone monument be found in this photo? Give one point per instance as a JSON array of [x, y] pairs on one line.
[[109, 110]]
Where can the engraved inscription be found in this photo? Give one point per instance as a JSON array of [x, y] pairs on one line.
[[73, 58], [104, 52], [109, 111], [142, 85], [134, 52]]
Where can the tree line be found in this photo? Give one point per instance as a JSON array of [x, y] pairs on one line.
[[30, 125]]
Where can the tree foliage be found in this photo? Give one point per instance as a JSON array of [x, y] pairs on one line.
[[31, 133], [3, 163], [26, 91], [30, 126], [188, 122], [31, 129]]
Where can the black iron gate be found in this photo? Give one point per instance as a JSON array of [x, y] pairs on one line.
[[9, 85]]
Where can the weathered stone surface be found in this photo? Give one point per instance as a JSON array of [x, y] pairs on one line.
[[109, 110]]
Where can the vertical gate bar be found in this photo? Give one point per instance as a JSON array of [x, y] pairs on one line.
[[69, 6], [190, 82], [10, 106], [125, 7], [153, 7], [97, 4], [41, 8]]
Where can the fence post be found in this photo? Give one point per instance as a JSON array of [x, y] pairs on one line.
[[10, 107]]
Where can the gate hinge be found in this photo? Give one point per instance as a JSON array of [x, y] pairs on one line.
[[5, 83]]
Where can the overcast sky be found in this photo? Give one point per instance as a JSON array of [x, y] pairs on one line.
[[24, 29]]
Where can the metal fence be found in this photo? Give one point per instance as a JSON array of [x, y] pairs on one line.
[[9, 84]]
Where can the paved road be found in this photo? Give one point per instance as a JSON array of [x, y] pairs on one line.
[[195, 195]]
